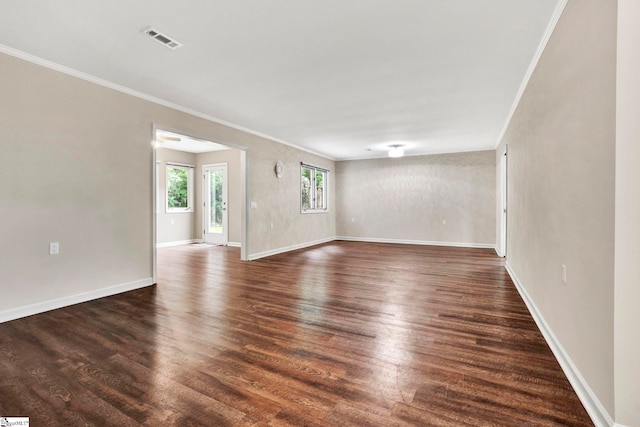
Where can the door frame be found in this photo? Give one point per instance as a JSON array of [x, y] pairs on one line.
[[205, 196], [244, 217], [503, 203]]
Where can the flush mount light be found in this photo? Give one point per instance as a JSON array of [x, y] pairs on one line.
[[396, 151], [169, 138]]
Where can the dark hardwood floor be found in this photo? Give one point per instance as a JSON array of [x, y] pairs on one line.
[[339, 334]]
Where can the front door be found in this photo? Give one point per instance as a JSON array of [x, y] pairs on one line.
[[215, 204]]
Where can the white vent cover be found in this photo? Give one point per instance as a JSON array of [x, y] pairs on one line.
[[162, 38]]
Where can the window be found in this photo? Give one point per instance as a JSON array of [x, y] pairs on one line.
[[313, 189], [179, 188]]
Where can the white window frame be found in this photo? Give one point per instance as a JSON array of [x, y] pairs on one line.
[[325, 196], [190, 183]]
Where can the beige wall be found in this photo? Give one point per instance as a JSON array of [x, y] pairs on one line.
[[79, 160], [234, 191], [407, 199], [627, 250], [561, 145], [175, 226], [278, 199]]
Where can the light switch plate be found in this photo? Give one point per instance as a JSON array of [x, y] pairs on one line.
[[54, 248]]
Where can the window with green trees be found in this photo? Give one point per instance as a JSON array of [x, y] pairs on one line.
[[314, 189], [179, 188]]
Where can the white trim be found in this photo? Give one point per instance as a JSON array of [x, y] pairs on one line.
[[418, 242], [154, 208], [123, 89], [244, 211], [234, 244], [182, 165], [503, 170], [555, 17], [290, 248], [177, 243], [590, 401], [41, 307], [498, 252]]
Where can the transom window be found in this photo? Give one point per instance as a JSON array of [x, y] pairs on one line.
[[313, 189]]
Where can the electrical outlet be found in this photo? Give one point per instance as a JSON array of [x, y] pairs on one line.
[[272, 226], [444, 222], [564, 274], [254, 204], [353, 220], [54, 248]]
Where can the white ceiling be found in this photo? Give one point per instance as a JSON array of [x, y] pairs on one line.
[[180, 142], [332, 76]]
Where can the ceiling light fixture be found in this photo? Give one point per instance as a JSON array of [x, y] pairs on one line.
[[396, 151], [169, 138]]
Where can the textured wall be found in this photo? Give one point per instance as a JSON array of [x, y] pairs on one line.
[[234, 191], [561, 145], [173, 227], [79, 160], [278, 200], [408, 198]]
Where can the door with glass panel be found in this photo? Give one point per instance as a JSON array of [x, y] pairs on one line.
[[215, 204]]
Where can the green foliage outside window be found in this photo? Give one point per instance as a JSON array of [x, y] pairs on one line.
[[177, 187], [313, 192], [216, 198], [306, 188]]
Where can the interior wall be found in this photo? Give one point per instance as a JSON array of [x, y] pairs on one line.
[[627, 246], [407, 199], [280, 222], [234, 191], [561, 166], [79, 159], [174, 226]]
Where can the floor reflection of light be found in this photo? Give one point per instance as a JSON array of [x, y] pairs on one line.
[[315, 284], [391, 339], [313, 294], [392, 349], [323, 252]]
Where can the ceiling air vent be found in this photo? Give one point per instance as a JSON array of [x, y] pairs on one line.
[[162, 38]]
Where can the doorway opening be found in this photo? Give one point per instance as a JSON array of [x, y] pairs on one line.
[[199, 191]]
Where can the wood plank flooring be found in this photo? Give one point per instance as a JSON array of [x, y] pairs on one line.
[[339, 334]]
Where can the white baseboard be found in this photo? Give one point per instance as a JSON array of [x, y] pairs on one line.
[[592, 404], [370, 240], [41, 307], [289, 248], [178, 243], [417, 242], [234, 244]]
